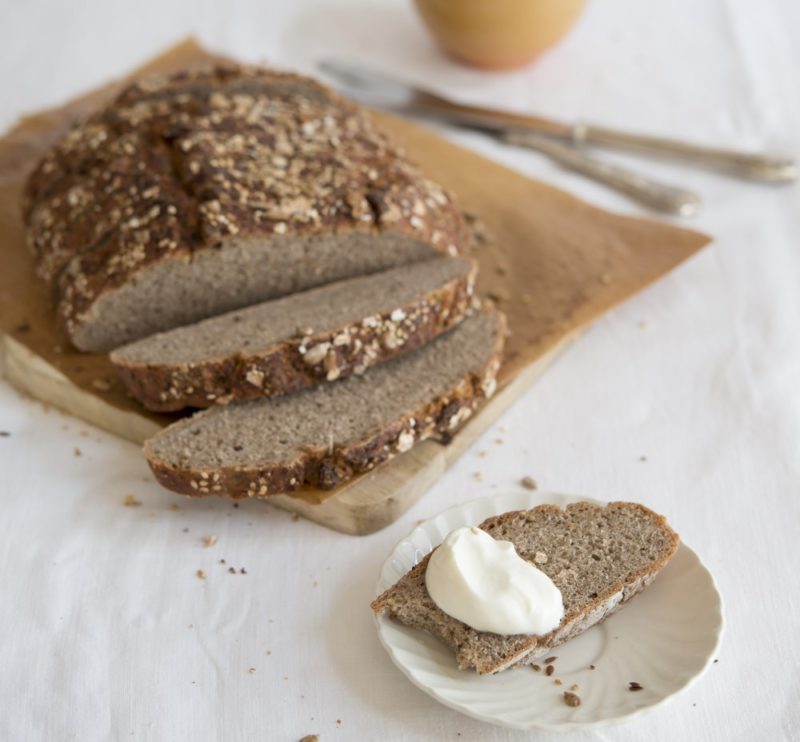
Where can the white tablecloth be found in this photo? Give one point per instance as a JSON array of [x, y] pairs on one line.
[[106, 632]]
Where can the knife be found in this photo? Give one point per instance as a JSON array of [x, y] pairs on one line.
[[563, 142]]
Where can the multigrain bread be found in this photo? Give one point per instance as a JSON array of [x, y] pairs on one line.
[[324, 435], [287, 344], [210, 190], [599, 557]]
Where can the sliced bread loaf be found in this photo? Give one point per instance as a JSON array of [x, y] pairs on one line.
[[291, 343], [202, 192], [599, 557], [324, 435]]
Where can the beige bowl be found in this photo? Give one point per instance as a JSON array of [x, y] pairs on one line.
[[498, 34]]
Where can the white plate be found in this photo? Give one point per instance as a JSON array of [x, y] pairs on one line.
[[663, 640]]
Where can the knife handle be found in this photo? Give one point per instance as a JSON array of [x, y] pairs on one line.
[[658, 196], [754, 166]]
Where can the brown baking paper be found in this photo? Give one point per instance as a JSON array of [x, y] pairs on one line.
[[553, 263]]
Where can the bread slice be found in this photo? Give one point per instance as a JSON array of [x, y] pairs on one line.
[[292, 343], [599, 557], [324, 435], [209, 190]]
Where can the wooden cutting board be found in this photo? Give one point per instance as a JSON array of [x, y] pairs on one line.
[[553, 263]]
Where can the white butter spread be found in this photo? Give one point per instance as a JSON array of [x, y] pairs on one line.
[[488, 586]]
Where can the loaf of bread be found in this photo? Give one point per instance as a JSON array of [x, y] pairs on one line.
[[288, 344], [598, 557], [324, 435], [196, 194]]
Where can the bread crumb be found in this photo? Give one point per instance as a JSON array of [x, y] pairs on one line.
[[77, 452], [200, 574], [529, 483], [574, 687], [4, 434], [477, 476], [571, 699], [498, 297], [592, 667], [550, 660], [184, 530], [252, 670], [557, 681], [130, 501], [499, 441], [310, 738], [549, 670], [174, 507], [482, 454], [232, 570], [643, 458], [635, 686], [209, 540], [243, 571], [338, 721], [536, 668], [101, 385]]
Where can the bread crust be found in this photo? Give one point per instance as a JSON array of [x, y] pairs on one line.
[[326, 468], [190, 162], [304, 360], [523, 649]]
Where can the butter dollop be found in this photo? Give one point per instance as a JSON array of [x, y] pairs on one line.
[[488, 586]]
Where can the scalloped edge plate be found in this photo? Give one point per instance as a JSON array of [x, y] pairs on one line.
[[664, 640]]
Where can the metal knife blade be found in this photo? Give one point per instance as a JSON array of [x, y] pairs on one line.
[[383, 91]]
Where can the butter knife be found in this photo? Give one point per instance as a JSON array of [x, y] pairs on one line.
[[562, 142], [388, 92]]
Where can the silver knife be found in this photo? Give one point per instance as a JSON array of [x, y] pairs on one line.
[[564, 142]]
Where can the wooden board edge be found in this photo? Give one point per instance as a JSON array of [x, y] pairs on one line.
[[377, 499], [32, 375], [505, 397]]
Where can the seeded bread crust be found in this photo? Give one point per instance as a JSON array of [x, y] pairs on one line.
[[326, 468], [409, 603], [301, 361], [188, 163]]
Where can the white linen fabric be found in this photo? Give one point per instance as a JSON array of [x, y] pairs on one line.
[[686, 398]]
